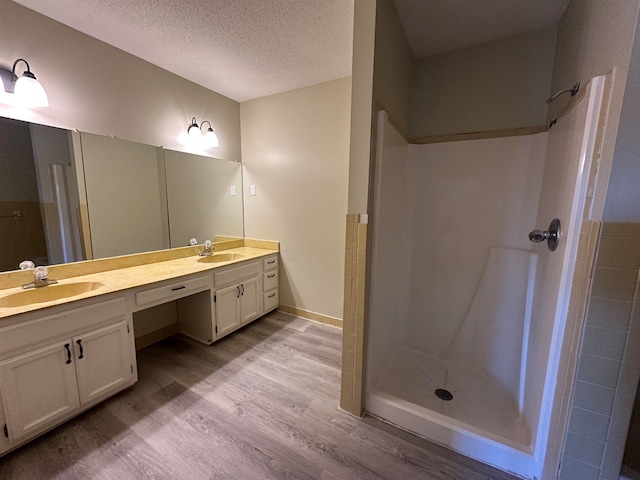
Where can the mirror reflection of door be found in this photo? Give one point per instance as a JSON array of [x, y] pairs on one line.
[[38, 196]]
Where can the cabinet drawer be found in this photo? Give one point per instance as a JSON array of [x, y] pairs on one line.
[[65, 323], [271, 300], [270, 280], [235, 274], [270, 263], [171, 291]]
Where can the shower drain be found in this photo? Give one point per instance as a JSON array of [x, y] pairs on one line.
[[443, 394]]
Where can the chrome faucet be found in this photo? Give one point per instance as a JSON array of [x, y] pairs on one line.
[[208, 249], [41, 275]]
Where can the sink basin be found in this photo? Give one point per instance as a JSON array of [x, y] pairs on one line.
[[221, 257], [47, 294]]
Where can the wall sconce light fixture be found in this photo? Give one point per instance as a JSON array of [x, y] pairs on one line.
[[209, 136], [27, 90]]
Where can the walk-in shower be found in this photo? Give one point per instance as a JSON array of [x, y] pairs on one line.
[[466, 314]]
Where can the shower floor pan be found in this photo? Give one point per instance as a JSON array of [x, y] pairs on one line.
[[481, 420]]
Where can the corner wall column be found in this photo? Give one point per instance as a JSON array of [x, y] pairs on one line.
[[351, 393]]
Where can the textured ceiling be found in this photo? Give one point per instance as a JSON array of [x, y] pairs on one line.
[[437, 26], [242, 49], [246, 49]]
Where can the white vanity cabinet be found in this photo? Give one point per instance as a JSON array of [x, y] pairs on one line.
[[39, 389], [59, 360], [52, 367], [237, 296], [192, 294], [270, 282], [103, 363]]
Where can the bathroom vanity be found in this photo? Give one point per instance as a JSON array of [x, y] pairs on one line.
[[66, 347]]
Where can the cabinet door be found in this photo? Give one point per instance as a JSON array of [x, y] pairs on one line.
[[249, 300], [102, 361], [39, 389], [4, 441], [227, 309]]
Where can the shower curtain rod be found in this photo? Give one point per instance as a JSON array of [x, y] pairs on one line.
[[573, 90]]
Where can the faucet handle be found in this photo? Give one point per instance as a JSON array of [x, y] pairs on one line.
[[193, 242], [207, 244], [27, 265], [41, 273]]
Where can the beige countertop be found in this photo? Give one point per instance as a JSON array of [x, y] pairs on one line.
[[120, 279]]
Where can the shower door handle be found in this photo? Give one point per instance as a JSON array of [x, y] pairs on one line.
[[552, 236]]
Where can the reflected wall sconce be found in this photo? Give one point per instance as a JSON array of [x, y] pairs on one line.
[[27, 90], [209, 136]]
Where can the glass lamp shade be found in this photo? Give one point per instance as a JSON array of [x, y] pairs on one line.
[[194, 131], [29, 92], [211, 139]]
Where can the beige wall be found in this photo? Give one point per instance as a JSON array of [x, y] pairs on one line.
[[394, 61], [623, 195], [364, 31], [295, 149], [497, 85], [97, 88], [595, 37]]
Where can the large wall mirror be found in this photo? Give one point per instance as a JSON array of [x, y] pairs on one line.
[[68, 196]]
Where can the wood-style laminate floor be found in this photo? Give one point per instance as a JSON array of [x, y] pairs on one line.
[[260, 404]]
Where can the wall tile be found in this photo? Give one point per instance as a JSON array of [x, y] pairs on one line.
[[594, 239], [362, 261], [349, 236], [575, 470], [614, 283], [619, 252], [359, 316], [360, 290], [348, 261], [347, 288], [599, 370], [611, 461], [360, 341], [609, 355], [609, 312], [631, 356], [584, 449], [588, 424], [604, 342], [583, 247], [593, 397], [618, 425], [627, 387], [362, 236], [620, 229]]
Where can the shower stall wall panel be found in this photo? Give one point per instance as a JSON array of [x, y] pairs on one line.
[[468, 197], [390, 271], [466, 315], [569, 157], [439, 211]]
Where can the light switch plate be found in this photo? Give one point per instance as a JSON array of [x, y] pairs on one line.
[[232, 189], [253, 190]]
